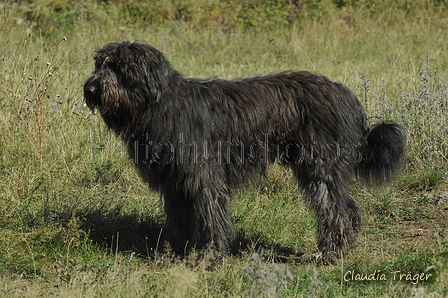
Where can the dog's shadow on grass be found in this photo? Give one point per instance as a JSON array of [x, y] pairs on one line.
[[144, 236], [112, 230]]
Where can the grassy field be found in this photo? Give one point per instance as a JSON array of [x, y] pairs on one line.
[[76, 220]]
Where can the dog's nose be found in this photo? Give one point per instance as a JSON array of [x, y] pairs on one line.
[[89, 90]]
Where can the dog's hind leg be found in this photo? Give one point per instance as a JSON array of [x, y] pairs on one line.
[[338, 217]]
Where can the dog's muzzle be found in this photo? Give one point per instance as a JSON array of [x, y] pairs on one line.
[[89, 91], [93, 98]]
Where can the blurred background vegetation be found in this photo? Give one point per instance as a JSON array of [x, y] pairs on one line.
[[228, 15]]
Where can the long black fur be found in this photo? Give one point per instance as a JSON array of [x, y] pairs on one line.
[[196, 139]]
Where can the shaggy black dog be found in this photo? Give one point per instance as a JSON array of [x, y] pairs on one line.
[[196, 139]]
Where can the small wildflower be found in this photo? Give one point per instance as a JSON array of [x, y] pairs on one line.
[[267, 280], [53, 106]]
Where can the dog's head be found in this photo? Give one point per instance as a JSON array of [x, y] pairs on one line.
[[128, 78]]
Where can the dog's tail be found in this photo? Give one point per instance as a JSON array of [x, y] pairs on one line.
[[383, 153]]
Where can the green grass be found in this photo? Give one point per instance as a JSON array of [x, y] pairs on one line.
[[76, 220]]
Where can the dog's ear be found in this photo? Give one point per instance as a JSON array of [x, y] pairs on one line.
[[142, 61], [155, 80], [157, 72]]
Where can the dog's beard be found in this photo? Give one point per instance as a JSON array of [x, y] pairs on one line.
[[95, 102]]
